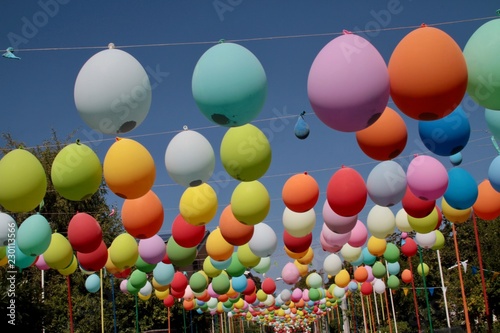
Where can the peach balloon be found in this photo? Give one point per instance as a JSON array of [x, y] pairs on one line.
[[300, 192]]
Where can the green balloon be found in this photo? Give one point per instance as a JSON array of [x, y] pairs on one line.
[[314, 294], [131, 289], [263, 266], [138, 279], [221, 284], [143, 266], [22, 180], [235, 268], [180, 256], [198, 282], [378, 270], [393, 282], [481, 55], [76, 172], [391, 253]]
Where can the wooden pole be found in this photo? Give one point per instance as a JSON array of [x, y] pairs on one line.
[[464, 300], [168, 319]]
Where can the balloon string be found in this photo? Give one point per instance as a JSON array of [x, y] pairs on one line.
[[495, 143]]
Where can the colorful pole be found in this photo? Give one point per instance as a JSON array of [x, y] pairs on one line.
[[414, 294], [70, 305], [464, 299], [102, 304]]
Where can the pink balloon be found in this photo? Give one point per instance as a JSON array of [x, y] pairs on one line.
[[348, 84], [305, 295], [335, 239], [152, 250], [427, 177], [211, 291], [296, 295], [327, 247], [123, 286], [359, 235], [370, 273], [41, 264], [290, 273], [337, 223]]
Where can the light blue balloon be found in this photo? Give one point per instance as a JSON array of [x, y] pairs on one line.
[[368, 258], [164, 273], [22, 260], [93, 283], [494, 173], [353, 286], [462, 189], [358, 261], [221, 264], [456, 159], [239, 283], [393, 268]]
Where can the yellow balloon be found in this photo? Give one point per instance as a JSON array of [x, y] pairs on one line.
[[453, 215], [376, 246], [425, 224], [246, 257], [209, 268], [217, 246], [144, 297], [240, 303], [110, 267], [159, 287], [250, 202], [59, 254], [124, 251], [261, 295], [71, 268], [129, 169], [198, 204], [303, 269], [294, 255], [439, 244], [342, 278], [307, 258], [162, 294]]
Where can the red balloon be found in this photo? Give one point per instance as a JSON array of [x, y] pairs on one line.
[[179, 282], [177, 293], [416, 207], [366, 288], [297, 244], [250, 289], [440, 218], [409, 248], [250, 299], [123, 274], [186, 234], [84, 233], [346, 192], [94, 260], [268, 286], [169, 301]]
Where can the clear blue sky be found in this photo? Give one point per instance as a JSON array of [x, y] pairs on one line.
[[37, 91]]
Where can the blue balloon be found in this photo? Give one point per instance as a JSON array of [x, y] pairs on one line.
[[93, 283], [368, 258], [494, 173], [34, 235], [22, 260], [301, 127], [353, 286], [446, 136], [221, 264], [239, 283], [393, 268], [456, 159], [462, 189]]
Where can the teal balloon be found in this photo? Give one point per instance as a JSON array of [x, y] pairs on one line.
[[229, 85], [446, 136], [22, 260], [368, 258], [301, 128], [393, 268], [92, 283], [221, 264], [164, 273], [481, 55], [360, 260], [462, 189], [492, 118], [239, 283], [456, 159], [34, 235], [494, 173]]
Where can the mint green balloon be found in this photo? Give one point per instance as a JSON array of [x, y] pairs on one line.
[[229, 85], [138, 279], [481, 55], [34, 235], [263, 266], [22, 180], [76, 172]]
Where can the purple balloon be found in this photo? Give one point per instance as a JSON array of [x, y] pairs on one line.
[[152, 250], [337, 223]]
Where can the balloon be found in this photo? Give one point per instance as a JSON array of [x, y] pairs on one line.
[[300, 192], [84, 233], [268, 286], [348, 84], [334, 239], [246, 257], [427, 177], [40, 263], [297, 244], [428, 74], [179, 282], [264, 240], [455, 215], [376, 246], [143, 217], [290, 273], [393, 282], [494, 173], [359, 235], [301, 128], [337, 223], [446, 136], [229, 85], [386, 183], [366, 288], [487, 205], [217, 247], [34, 235], [209, 268], [425, 224], [380, 144], [233, 231], [112, 92], [198, 282], [379, 270], [456, 159], [462, 189], [483, 70], [152, 250], [492, 118], [186, 234], [409, 248], [144, 266], [129, 169], [198, 204], [391, 254], [346, 192], [180, 256], [406, 276], [299, 224], [245, 152], [164, 273], [239, 283], [221, 284], [95, 260], [169, 301], [350, 253], [124, 251], [381, 221], [423, 269], [439, 243], [76, 172], [360, 274], [8, 229], [22, 260], [307, 258], [343, 278], [415, 206], [393, 267], [263, 266], [59, 254], [189, 158], [294, 255], [250, 202], [70, 269], [367, 257], [92, 283], [22, 180]]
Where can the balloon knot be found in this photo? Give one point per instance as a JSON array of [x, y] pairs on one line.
[[423, 25], [118, 138], [498, 12], [185, 127], [111, 46], [302, 113], [346, 32], [78, 141], [415, 155], [222, 41], [305, 173]]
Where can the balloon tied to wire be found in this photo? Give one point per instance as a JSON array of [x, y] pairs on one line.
[[9, 54], [301, 127]]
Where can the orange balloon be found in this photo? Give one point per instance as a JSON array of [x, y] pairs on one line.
[[294, 255], [129, 169], [188, 304], [487, 205], [406, 276], [233, 231], [300, 192], [361, 274], [381, 144], [143, 217], [428, 74]]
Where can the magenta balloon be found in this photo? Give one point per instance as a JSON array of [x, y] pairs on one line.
[[335, 239], [359, 235], [337, 223], [152, 250], [348, 84], [296, 295], [427, 177]]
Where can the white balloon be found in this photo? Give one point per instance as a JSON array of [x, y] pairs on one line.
[[299, 224], [350, 253], [112, 92], [189, 158], [386, 183], [402, 221], [264, 240], [426, 240], [147, 289], [381, 221], [378, 286], [332, 264]]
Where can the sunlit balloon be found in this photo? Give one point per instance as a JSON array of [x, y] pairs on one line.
[[217, 247], [95, 260], [376, 246], [152, 250], [300, 192], [455, 215], [298, 224], [250, 202], [346, 192], [180, 256], [332, 264], [246, 257], [59, 254], [337, 223], [359, 235], [427, 177], [143, 217], [462, 189], [34, 235], [415, 206], [381, 221], [233, 231], [350, 253], [487, 205], [84, 233], [425, 224], [198, 204], [386, 183], [124, 251], [186, 234], [494, 173]]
